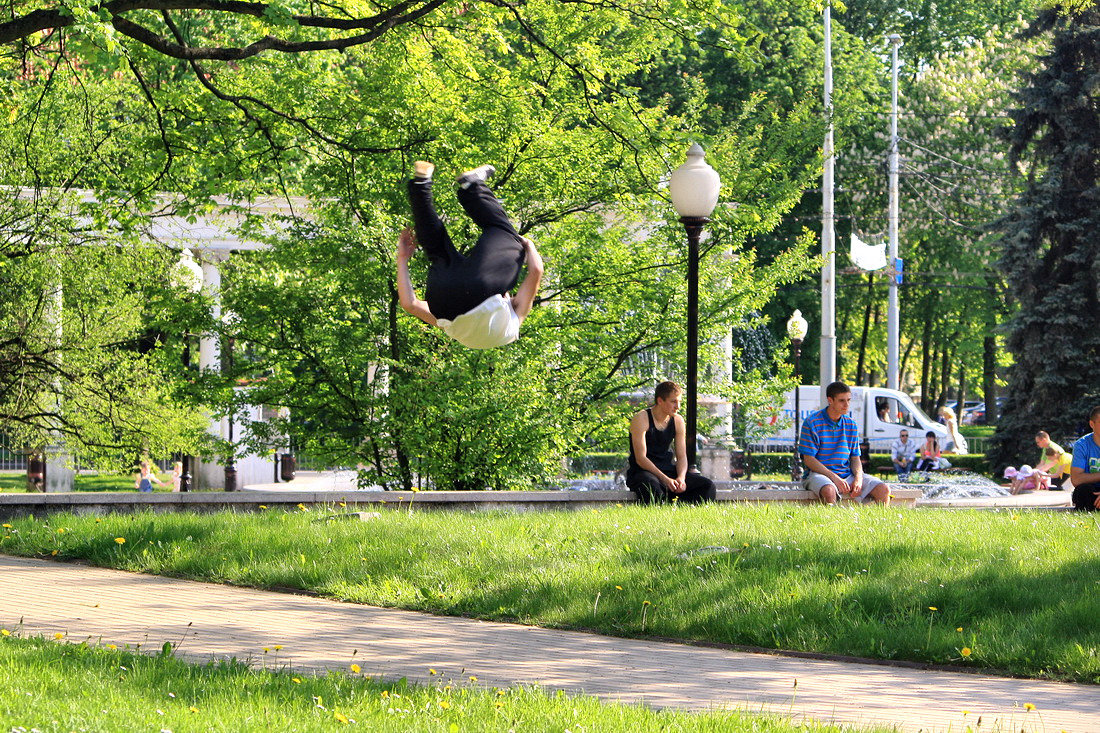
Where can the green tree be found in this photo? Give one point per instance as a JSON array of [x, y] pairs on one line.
[[1048, 249]]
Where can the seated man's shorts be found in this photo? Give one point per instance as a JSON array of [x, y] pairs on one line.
[[815, 482]]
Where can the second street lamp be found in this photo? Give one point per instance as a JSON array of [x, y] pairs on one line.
[[796, 331], [694, 188]]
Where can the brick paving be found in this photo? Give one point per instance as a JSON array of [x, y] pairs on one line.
[[213, 621]]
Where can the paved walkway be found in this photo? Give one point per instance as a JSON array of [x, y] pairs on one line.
[[219, 621]]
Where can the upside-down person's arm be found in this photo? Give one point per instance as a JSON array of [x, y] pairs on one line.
[[524, 298], [409, 302]]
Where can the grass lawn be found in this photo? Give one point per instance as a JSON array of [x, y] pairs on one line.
[[1002, 591], [10, 481], [47, 687]]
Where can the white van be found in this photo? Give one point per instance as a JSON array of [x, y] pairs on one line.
[[880, 414]]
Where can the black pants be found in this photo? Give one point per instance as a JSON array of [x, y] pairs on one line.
[[458, 282], [1084, 497], [650, 489]]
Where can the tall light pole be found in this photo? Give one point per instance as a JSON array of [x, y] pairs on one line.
[[893, 317], [796, 331], [828, 243], [694, 189]]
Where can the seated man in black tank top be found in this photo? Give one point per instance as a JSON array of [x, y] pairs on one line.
[[656, 472]]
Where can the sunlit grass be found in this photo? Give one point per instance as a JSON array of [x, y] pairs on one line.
[[46, 685], [1018, 590]]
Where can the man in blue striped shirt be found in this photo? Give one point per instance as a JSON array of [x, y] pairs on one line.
[[829, 446]]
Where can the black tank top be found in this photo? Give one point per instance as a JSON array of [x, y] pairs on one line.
[[658, 446]]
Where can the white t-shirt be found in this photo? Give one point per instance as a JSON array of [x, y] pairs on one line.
[[493, 323]]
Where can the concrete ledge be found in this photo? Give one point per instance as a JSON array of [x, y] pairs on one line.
[[21, 504]]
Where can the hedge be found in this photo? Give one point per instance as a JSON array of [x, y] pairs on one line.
[[770, 463]]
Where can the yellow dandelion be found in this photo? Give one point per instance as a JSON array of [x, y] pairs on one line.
[[744, 544], [263, 506], [933, 608], [965, 651], [302, 506], [340, 717], [5, 632], [385, 693], [618, 587], [500, 693], [355, 668], [266, 650], [54, 553], [444, 704], [61, 530], [1028, 707], [296, 680], [59, 635], [193, 709], [98, 520], [111, 647], [415, 489], [5, 525], [343, 503], [448, 687], [473, 678], [646, 603], [277, 647], [120, 540], [432, 671], [500, 704], [959, 629]]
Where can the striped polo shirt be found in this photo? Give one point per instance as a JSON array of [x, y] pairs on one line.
[[832, 443]]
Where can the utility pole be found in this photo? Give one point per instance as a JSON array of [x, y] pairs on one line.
[[828, 240], [893, 317]]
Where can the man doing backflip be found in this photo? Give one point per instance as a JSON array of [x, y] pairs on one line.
[[468, 295]]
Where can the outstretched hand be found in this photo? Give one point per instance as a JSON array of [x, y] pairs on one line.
[[406, 244]]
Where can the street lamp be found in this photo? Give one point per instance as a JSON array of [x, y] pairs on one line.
[[796, 332], [694, 189]]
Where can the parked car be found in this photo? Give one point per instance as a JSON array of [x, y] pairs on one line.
[[976, 415]]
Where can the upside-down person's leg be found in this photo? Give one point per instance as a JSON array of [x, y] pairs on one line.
[[431, 234], [498, 255]]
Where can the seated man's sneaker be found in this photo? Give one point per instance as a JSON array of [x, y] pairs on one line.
[[423, 170], [482, 173]]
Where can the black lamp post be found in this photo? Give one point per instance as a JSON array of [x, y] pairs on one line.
[[796, 331], [694, 188], [231, 464]]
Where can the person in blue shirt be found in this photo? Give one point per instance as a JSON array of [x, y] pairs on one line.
[[829, 446], [1084, 472]]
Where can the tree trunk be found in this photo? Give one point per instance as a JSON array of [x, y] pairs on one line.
[[926, 365], [945, 377], [989, 378], [903, 369], [403, 466], [962, 392], [866, 328]]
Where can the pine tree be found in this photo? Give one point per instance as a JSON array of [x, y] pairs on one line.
[[1049, 244]]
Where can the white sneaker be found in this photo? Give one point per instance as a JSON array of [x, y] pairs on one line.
[[481, 173], [423, 169]]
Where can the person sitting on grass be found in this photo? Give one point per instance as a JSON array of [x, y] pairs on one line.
[[829, 446], [1085, 472], [468, 295], [656, 472]]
